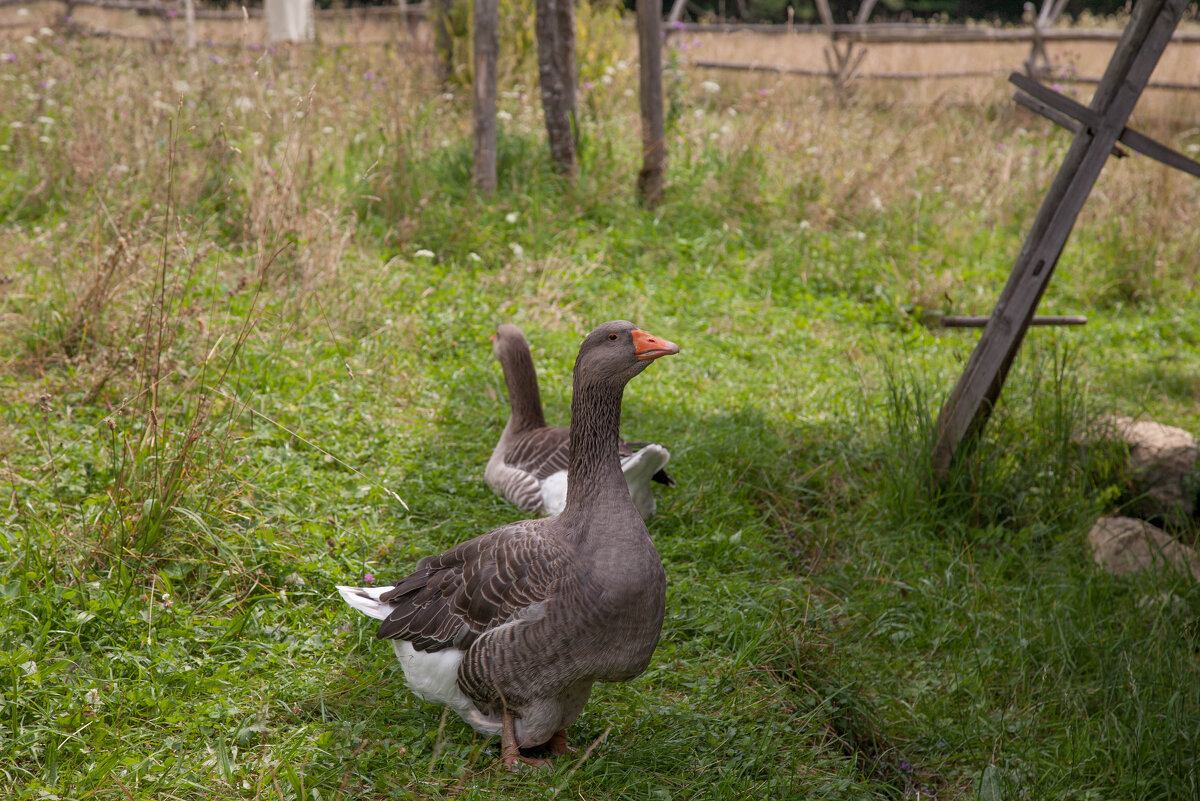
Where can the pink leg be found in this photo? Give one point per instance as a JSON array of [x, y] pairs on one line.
[[558, 743], [509, 751]]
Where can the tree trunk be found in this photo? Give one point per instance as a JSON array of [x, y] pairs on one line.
[[486, 48], [556, 74], [650, 87], [443, 40]]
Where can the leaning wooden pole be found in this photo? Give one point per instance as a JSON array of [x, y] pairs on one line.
[[1128, 72], [652, 176], [486, 50]]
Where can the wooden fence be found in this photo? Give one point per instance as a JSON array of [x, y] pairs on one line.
[[923, 52]]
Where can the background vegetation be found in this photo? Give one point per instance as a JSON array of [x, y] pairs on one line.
[[244, 313]]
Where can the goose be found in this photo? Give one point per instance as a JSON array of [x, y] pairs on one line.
[[528, 466], [511, 629]]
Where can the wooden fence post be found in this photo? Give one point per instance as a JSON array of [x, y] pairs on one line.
[[555, 25], [486, 51], [443, 40], [652, 176]]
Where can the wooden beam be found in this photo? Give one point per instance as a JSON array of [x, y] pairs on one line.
[[971, 321], [1058, 118], [1136, 141], [1145, 37]]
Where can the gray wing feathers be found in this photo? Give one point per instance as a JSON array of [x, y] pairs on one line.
[[540, 452], [455, 596]]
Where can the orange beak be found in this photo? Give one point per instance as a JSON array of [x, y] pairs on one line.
[[649, 347]]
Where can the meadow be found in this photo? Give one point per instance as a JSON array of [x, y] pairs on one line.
[[245, 301]]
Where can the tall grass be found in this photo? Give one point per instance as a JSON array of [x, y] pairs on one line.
[[244, 313]]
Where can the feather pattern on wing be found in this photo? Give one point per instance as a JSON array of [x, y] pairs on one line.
[[453, 597]]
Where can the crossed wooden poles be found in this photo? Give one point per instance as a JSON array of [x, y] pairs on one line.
[[1098, 127]]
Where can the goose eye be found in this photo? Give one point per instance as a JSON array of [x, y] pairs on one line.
[[612, 337]]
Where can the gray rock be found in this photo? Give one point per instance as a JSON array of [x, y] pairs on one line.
[[1124, 545], [1162, 468]]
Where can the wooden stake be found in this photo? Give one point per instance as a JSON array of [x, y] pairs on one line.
[[652, 176], [486, 51]]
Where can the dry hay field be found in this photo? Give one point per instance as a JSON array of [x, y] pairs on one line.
[[1077, 63]]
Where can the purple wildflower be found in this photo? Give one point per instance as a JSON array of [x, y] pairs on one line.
[[368, 578], [9, 57]]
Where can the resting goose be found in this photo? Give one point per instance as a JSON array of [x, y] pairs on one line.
[[512, 628], [528, 466]]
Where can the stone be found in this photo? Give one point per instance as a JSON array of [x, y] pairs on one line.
[[1124, 545], [1162, 468]]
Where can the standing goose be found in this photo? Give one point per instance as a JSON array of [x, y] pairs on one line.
[[512, 628], [528, 466]]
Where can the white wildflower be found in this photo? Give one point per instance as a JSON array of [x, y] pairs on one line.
[[29, 40], [712, 87], [511, 217], [243, 103], [516, 249], [45, 140], [328, 129], [45, 120], [161, 106], [607, 79], [876, 202], [503, 116], [805, 225], [45, 32], [473, 256], [16, 124], [812, 151], [623, 65], [182, 87], [424, 254], [22, 12]]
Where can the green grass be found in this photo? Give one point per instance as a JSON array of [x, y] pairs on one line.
[[226, 362]]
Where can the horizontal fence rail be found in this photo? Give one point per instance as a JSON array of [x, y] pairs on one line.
[[921, 33]]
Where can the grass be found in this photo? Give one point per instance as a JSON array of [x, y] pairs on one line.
[[234, 377]]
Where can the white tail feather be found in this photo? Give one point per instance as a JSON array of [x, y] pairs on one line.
[[641, 466], [366, 600]]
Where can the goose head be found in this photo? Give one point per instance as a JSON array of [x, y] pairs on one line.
[[617, 351]]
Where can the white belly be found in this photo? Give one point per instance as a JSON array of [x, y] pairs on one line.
[[433, 677]]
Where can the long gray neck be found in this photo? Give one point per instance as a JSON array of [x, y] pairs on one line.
[[524, 399], [594, 465]]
